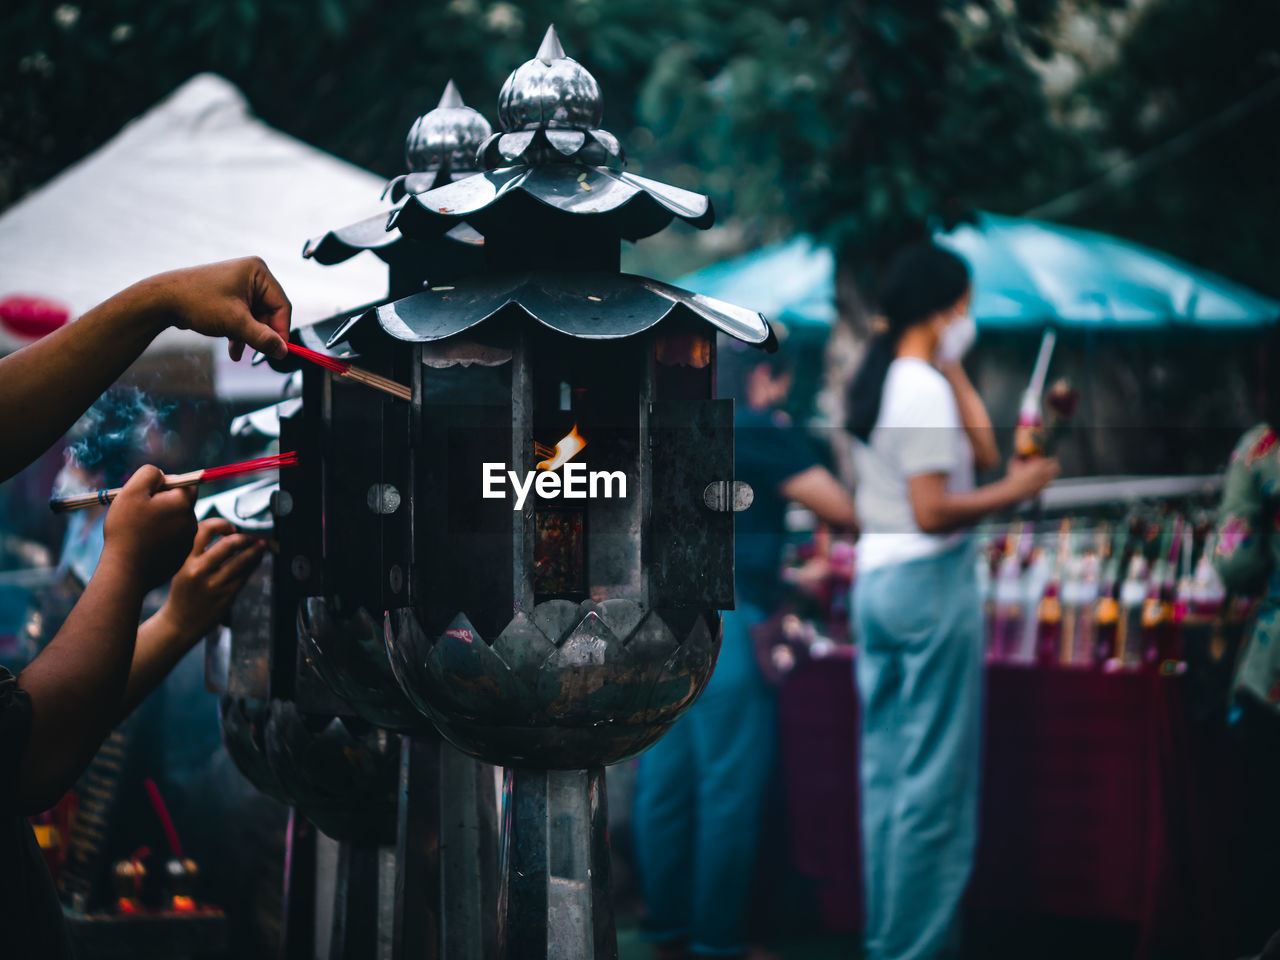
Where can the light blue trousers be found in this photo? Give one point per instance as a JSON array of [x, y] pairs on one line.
[[698, 803], [919, 678]]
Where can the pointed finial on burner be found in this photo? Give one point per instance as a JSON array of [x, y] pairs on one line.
[[446, 138], [551, 48], [551, 91], [451, 98]]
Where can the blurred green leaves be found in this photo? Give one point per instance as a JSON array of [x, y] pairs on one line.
[[859, 121]]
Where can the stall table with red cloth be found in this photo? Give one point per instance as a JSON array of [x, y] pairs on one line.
[[1100, 801]]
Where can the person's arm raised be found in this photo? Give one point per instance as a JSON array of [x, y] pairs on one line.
[[938, 510], [201, 592], [77, 682], [817, 489], [46, 386]]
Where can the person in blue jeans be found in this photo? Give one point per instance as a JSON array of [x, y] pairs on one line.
[[919, 429], [699, 790]]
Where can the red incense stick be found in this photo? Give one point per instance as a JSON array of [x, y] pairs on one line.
[[171, 481], [346, 371], [166, 821]]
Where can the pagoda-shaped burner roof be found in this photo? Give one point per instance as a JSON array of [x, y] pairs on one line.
[[543, 187], [443, 142], [585, 305], [551, 150], [634, 206]]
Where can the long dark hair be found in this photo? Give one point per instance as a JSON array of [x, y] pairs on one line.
[[920, 281]]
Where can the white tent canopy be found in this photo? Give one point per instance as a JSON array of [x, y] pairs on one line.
[[195, 179]]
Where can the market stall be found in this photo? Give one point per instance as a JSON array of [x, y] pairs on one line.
[[1109, 774]]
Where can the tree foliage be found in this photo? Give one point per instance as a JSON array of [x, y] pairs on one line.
[[1204, 80], [858, 121], [863, 121]]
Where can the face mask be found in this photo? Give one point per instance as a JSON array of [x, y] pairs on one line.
[[956, 339]]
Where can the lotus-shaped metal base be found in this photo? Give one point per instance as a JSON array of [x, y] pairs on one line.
[[341, 774], [343, 782], [568, 686], [244, 725], [349, 654]]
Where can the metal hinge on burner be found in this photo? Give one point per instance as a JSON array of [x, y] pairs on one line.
[[728, 496]]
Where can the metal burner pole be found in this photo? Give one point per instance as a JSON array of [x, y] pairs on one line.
[[556, 902], [355, 932], [446, 891]]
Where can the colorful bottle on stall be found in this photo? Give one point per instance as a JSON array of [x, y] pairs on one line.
[[1133, 594], [1208, 591], [1168, 649], [1107, 613], [1185, 621], [1107, 617], [987, 563], [1157, 610], [1049, 625], [1184, 595], [1007, 628], [1202, 630], [1155, 620], [1049, 610], [1082, 646], [1034, 584], [1072, 594]]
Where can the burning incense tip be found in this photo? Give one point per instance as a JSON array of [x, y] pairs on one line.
[[174, 481]]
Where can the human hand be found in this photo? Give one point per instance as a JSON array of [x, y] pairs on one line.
[[1027, 476], [209, 580], [149, 529], [811, 574], [237, 299]]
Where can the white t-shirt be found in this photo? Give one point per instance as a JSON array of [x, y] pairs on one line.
[[918, 431]]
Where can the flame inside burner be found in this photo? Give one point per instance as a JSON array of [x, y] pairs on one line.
[[567, 447]]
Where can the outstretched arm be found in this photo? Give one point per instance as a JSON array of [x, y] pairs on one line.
[[939, 510], [46, 386], [201, 592], [822, 493], [77, 681]]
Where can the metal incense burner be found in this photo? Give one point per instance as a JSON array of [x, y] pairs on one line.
[[446, 840], [313, 715], [553, 634]]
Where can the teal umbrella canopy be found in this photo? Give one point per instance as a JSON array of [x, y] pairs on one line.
[[1027, 274], [792, 282], [1032, 273]]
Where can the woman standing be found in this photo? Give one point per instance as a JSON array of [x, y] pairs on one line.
[[1248, 558], [700, 789], [919, 428]]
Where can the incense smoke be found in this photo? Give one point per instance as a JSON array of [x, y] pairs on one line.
[[110, 440]]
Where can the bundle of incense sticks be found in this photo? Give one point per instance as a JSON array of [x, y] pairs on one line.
[[346, 371], [172, 481]]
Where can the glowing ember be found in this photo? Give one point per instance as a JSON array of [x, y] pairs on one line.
[[567, 447]]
